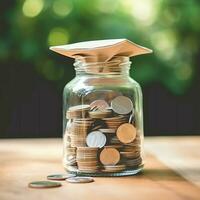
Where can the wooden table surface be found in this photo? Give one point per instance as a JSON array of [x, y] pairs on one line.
[[172, 171]]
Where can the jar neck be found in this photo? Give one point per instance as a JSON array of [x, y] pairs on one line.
[[117, 66]]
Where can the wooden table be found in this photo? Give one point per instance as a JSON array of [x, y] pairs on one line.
[[172, 171]]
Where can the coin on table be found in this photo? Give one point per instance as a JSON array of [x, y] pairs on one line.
[[122, 105], [59, 177], [79, 179], [44, 184], [126, 133], [99, 104], [96, 139], [109, 156]]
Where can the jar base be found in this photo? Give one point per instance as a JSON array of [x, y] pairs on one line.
[[127, 172]]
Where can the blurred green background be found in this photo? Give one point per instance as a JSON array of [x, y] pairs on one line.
[[32, 77]]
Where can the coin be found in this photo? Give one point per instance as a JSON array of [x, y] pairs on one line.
[[126, 133], [131, 119], [109, 156], [44, 184], [96, 139], [97, 124], [87, 159], [79, 111], [116, 146], [100, 114], [59, 177], [113, 168], [99, 104], [79, 179], [122, 105], [79, 107], [133, 162], [129, 154], [105, 130]]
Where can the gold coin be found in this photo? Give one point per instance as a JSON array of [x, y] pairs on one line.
[[126, 133], [109, 156]]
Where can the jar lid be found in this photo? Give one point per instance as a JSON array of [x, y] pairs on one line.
[[101, 50]]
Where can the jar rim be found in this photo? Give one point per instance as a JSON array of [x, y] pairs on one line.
[[116, 65], [100, 59]]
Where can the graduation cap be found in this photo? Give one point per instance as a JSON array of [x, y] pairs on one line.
[[101, 50]]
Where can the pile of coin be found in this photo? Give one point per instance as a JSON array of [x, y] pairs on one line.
[[54, 178], [102, 137], [87, 159], [78, 131]]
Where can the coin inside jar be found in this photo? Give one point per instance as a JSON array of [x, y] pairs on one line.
[[99, 104], [79, 179], [100, 114], [122, 105], [79, 107], [96, 139], [106, 130], [126, 133], [44, 184], [109, 156], [59, 177]]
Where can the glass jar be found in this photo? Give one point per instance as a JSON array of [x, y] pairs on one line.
[[103, 119]]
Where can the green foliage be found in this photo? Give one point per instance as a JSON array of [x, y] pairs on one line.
[[171, 28]]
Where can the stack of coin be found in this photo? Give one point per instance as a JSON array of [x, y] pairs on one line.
[[87, 159], [80, 111], [133, 162], [114, 140], [115, 122], [113, 168], [130, 152], [78, 131], [99, 114], [70, 156], [102, 136]]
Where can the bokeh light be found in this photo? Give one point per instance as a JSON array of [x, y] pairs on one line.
[[144, 11], [164, 43], [167, 27], [184, 72], [62, 7], [105, 6], [58, 36], [32, 8]]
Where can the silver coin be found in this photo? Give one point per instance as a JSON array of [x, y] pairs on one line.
[[131, 118], [79, 179], [44, 184], [59, 177], [99, 105], [122, 105], [96, 139]]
